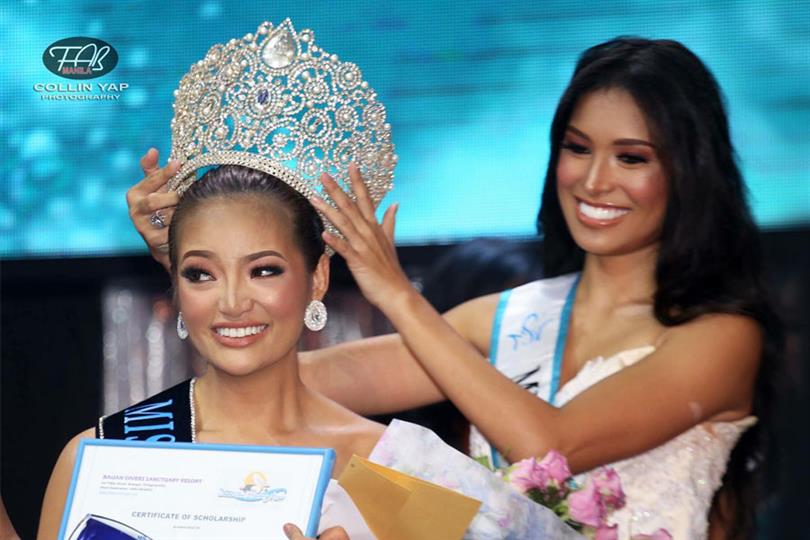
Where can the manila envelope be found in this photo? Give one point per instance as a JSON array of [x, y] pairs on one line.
[[397, 506]]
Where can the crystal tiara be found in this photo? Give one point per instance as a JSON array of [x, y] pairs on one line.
[[276, 102]]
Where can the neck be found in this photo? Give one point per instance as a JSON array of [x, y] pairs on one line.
[[262, 404], [619, 280]]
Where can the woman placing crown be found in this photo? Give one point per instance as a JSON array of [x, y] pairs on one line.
[[651, 345], [271, 112]]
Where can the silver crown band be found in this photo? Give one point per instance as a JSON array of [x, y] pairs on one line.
[[275, 102]]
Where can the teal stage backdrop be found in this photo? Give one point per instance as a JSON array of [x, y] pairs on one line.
[[470, 88]]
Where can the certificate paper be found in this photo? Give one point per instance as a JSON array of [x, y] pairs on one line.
[[143, 490]]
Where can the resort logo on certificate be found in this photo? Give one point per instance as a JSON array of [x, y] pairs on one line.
[[255, 489]]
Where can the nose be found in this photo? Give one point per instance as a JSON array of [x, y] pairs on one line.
[[235, 298], [598, 178]]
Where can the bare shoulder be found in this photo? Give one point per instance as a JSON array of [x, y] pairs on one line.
[[350, 434], [58, 485], [729, 335], [346, 429], [68, 455], [473, 320], [723, 353], [366, 434]]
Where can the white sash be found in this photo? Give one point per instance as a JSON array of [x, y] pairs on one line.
[[528, 337]]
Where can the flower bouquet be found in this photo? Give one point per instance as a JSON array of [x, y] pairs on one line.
[[584, 507], [540, 499], [505, 514]]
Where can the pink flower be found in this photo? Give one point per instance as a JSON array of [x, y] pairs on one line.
[[527, 474], [587, 506], [609, 485], [557, 467], [606, 532], [660, 534]]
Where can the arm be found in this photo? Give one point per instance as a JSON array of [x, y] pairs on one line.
[[7, 531], [53, 506], [703, 370], [148, 196], [380, 375], [333, 533], [370, 376]]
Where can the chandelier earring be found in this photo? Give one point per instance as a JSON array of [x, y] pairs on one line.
[[182, 331], [315, 316]]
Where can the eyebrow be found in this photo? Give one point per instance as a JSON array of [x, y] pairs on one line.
[[617, 142], [265, 253], [249, 258]]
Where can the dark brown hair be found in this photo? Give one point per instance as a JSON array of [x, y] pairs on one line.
[[235, 180]]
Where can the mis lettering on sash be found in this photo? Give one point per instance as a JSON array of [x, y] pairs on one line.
[[135, 420]]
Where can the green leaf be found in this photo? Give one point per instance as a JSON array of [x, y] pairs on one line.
[[484, 460]]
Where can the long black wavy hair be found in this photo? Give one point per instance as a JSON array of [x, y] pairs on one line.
[[709, 258]]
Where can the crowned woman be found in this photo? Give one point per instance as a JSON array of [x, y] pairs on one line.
[[270, 112]]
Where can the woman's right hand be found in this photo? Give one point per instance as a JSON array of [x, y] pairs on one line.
[[150, 197], [332, 533]]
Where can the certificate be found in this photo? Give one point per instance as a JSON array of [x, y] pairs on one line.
[[154, 490]]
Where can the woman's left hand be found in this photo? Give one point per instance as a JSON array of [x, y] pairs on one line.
[[332, 533], [367, 246]]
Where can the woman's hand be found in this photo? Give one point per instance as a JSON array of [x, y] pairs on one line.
[[367, 246], [332, 533], [151, 205]]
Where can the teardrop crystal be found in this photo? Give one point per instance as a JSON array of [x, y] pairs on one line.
[[280, 48]]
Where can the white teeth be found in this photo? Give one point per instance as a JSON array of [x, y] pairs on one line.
[[240, 332], [601, 212]]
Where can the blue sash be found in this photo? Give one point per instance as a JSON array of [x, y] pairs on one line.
[[528, 340]]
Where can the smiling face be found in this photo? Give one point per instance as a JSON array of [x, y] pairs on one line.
[[610, 180], [242, 282]]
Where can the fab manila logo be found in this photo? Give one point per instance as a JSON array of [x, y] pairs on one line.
[[80, 58]]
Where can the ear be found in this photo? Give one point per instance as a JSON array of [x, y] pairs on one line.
[[320, 278]]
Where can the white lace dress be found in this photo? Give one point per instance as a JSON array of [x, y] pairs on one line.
[[670, 486]]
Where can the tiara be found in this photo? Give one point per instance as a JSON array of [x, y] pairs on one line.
[[276, 102]]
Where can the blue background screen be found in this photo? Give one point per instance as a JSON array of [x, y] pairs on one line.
[[470, 89]]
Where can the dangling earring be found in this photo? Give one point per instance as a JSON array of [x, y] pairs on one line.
[[182, 331], [315, 316]]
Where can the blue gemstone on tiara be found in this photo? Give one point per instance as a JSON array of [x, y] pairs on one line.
[[262, 97]]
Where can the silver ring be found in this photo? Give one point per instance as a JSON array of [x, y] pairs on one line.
[[157, 221]]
